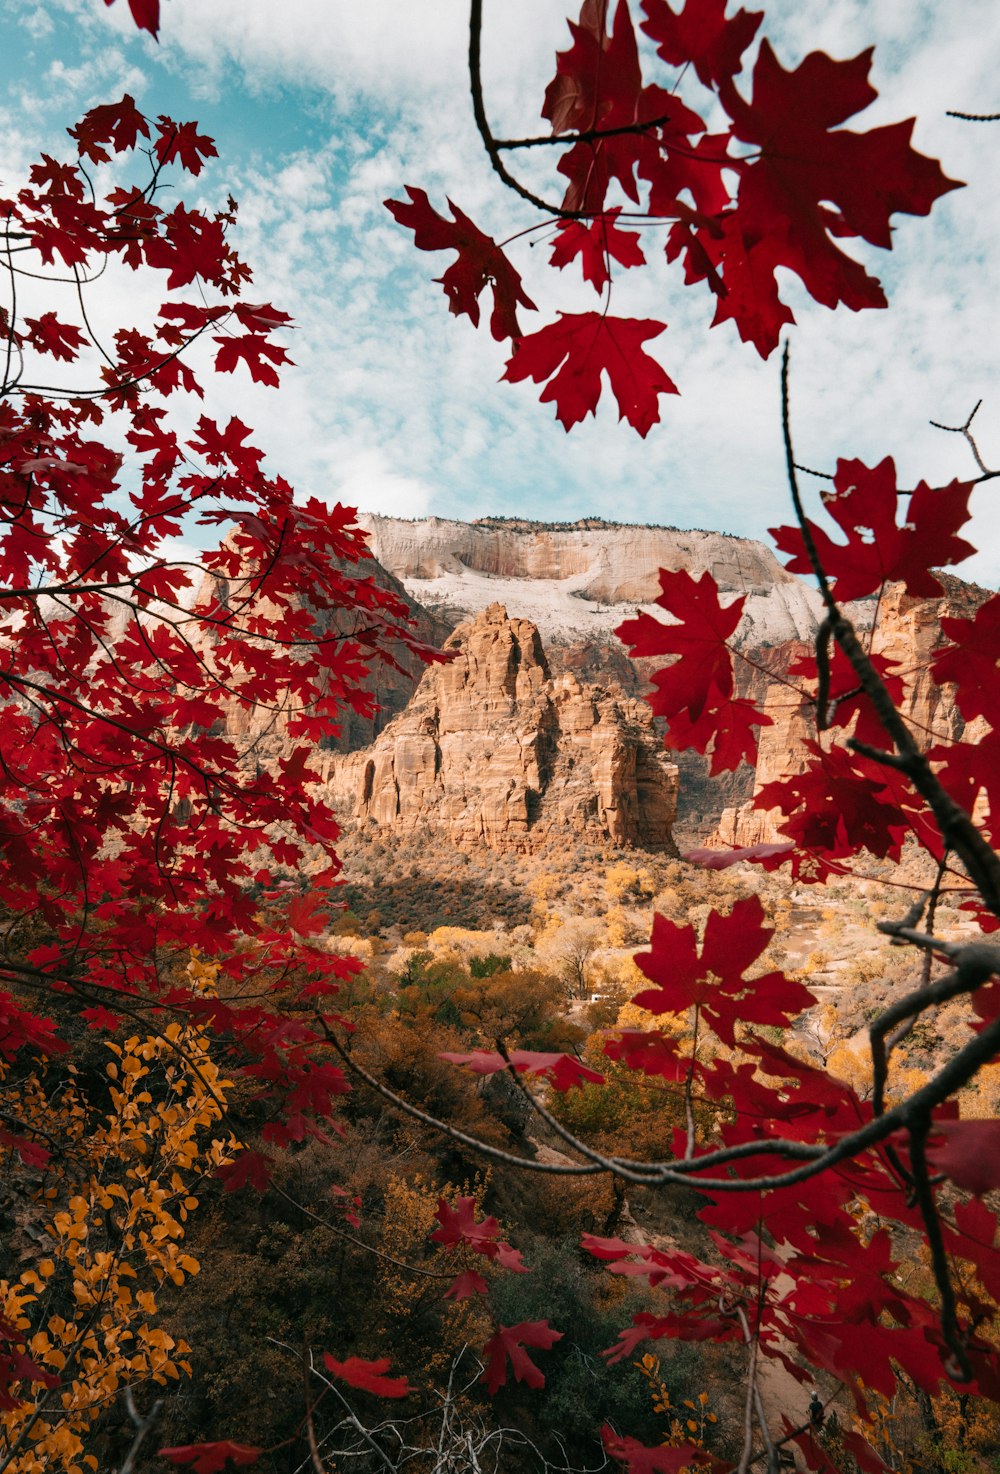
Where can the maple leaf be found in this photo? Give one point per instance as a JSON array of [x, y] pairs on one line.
[[367, 1376], [305, 915], [253, 349], [211, 1458], [640, 1459], [49, 335], [864, 503], [840, 803], [596, 243], [466, 1284], [969, 1154], [481, 263], [739, 267], [694, 694], [649, 1051], [508, 1344], [249, 1169], [701, 34], [17, 1366], [562, 1069], [459, 1226], [183, 142], [100, 1017], [119, 124], [714, 977], [31, 1154], [598, 85], [969, 661], [724, 727], [805, 165], [573, 353]]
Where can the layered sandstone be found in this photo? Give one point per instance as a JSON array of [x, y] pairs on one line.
[[492, 749], [578, 581]]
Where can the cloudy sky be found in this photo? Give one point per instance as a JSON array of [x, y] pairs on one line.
[[322, 109]]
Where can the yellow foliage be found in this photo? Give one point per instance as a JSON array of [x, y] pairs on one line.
[[687, 1424], [409, 1218], [111, 1215], [620, 880]]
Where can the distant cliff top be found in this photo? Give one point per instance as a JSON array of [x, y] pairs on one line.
[[582, 524], [577, 581]]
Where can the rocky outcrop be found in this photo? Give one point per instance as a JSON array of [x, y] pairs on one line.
[[494, 750], [906, 632]]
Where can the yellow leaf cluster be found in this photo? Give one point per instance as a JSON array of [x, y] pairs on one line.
[[110, 1215]]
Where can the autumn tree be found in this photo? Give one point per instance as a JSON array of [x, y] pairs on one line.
[[135, 825], [160, 717], [811, 1180], [110, 1216]]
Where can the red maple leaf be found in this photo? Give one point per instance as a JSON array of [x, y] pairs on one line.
[[145, 13], [598, 85], [573, 353], [640, 1459], [969, 1154], [969, 662], [459, 1226], [714, 977], [256, 351], [700, 636], [805, 165], [211, 1458], [367, 1376], [119, 124], [865, 504], [481, 263], [466, 1284], [251, 1169], [562, 1069], [508, 1345], [739, 268], [183, 142], [17, 1366], [307, 914], [596, 243], [701, 34], [49, 335], [839, 804]]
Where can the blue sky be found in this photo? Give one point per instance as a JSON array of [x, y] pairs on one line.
[[321, 109]]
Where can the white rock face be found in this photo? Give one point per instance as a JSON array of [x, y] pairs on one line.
[[578, 583]]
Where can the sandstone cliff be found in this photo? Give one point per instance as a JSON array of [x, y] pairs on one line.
[[577, 582], [494, 750]]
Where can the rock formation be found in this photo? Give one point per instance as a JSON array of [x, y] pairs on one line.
[[577, 581], [492, 749]]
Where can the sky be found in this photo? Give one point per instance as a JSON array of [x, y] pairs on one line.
[[322, 109]]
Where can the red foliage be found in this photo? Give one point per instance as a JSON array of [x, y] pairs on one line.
[[136, 823], [781, 185], [212, 1458], [508, 1345], [367, 1376], [810, 1194]]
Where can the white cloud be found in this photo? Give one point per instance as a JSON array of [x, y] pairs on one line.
[[395, 400]]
